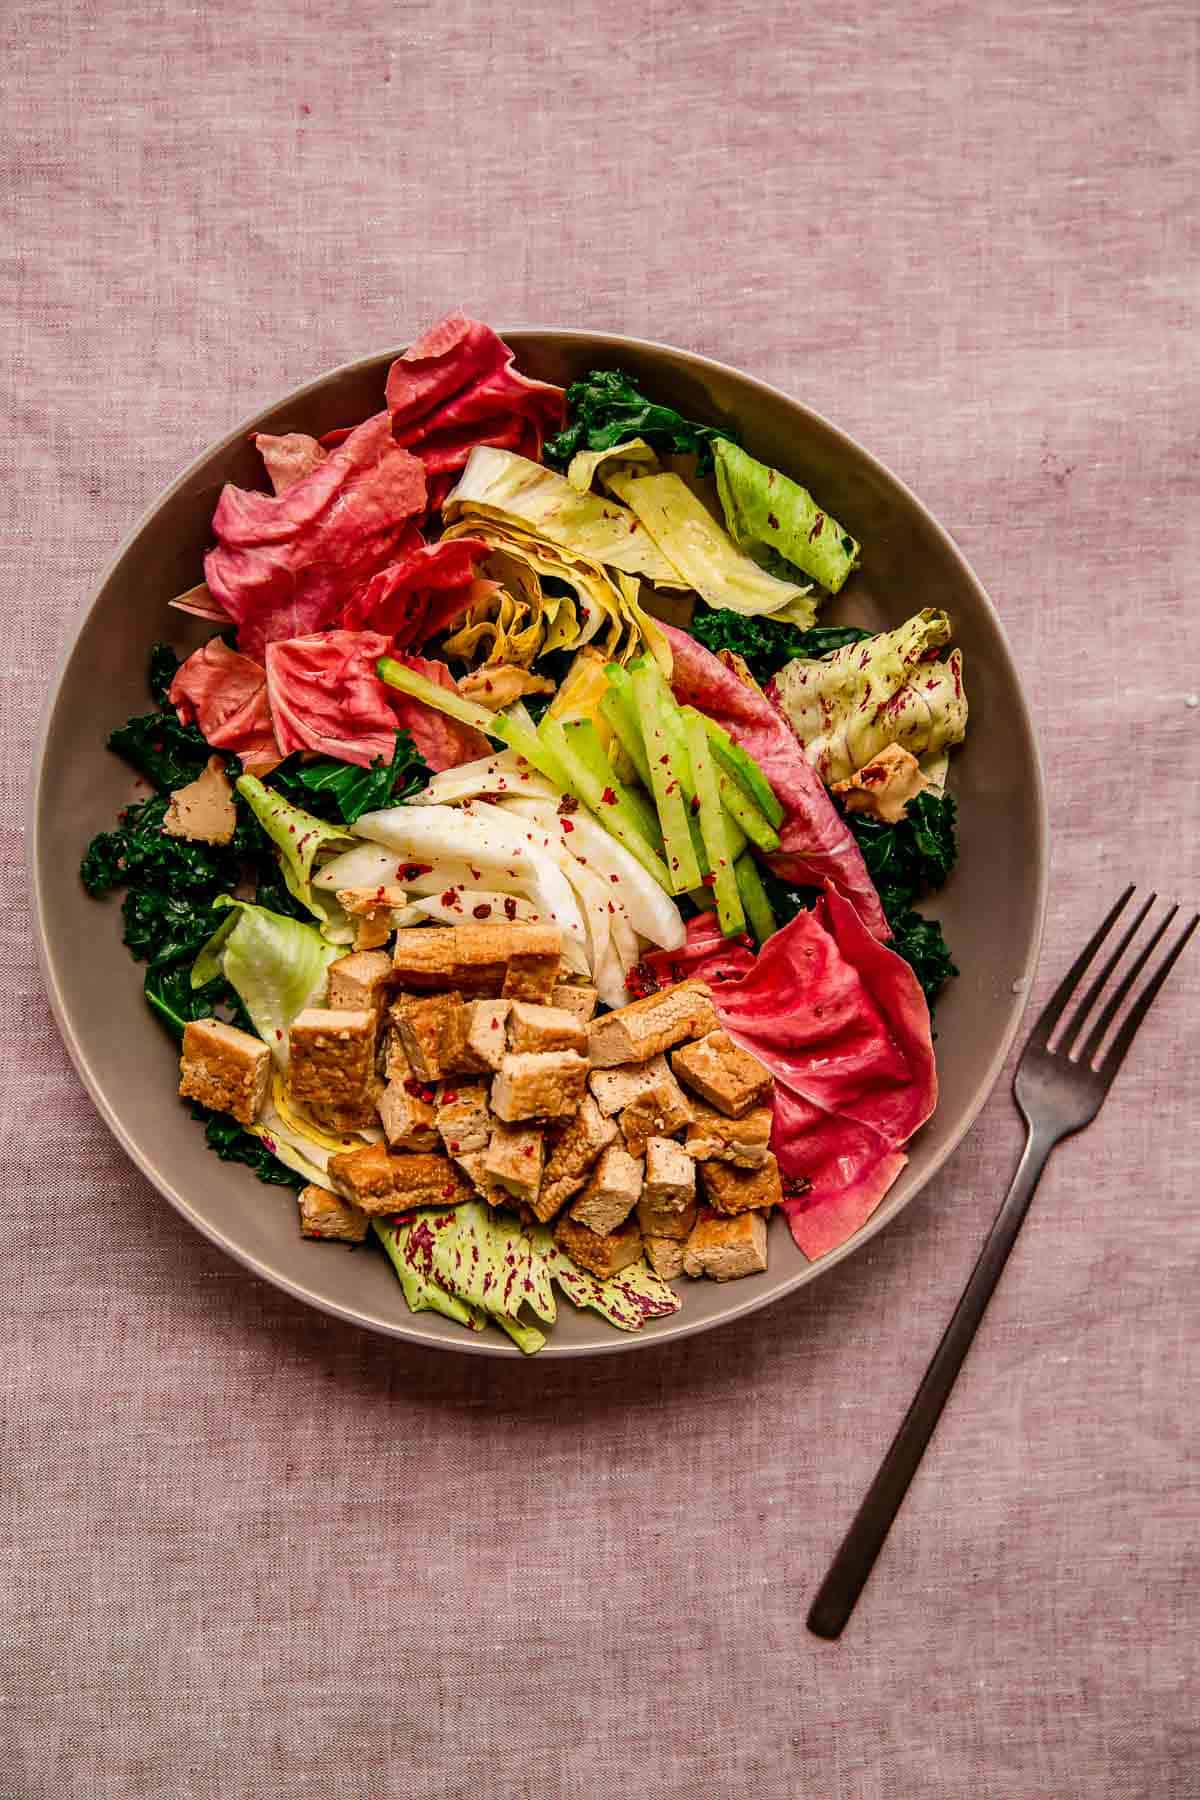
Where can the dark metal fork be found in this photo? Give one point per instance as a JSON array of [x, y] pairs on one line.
[[1058, 1091]]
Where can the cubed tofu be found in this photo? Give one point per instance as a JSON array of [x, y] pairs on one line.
[[222, 1067], [332, 1056], [657, 1220], [615, 1089], [474, 1040], [463, 1119], [724, 1074], [539, 1084], [670, 1179], [665, 1256], [420, 1020], [726, 1249], [602, 1256], [573, 1148], [711, 1137], [730, 1191], [363, 1115], [577, 997], [407, 1116], [360, 981], [372, 910], [658, 1111], [517, 960], [323, 1215], [474, 1166], [364, 1177], [514, 1157], [611, 1192], [645, 1028], [425, 1180], [204, 811], [533, 1027]]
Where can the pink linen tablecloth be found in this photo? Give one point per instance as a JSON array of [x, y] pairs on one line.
[[248, 1551]]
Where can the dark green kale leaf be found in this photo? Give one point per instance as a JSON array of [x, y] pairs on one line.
[[167, 753], [766, 644], [606, 409], [233, 1144], [164, 665], [906, 861], [341, 792]]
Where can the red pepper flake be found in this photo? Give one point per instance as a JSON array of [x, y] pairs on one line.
[[568, 804], [510, 908], [695, 803], [709, 880], [664, 762], [608, 798], [450, 898], [527, 1150], [482, 911], [567, 825], [452, 1146], [772, 521], [615, 878], [419, 1090], [448, 1191], [449, 1096], [410, 871], [818, 527], [641, 981]]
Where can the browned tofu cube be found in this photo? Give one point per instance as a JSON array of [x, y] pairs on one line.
[[474, 1166], [574, 1147], [517, 960], [363, 1115], [711, 1137], [224, 1068], [647, 1027], [615, 1089], [204, 810], [372, 910], [729, 1190], [724, 1074], [657, 1220], [539, 1084], [474, 1040], [364, 1177], [577, 997], [532, 1027], [407, 1116], [665, 1256], [726, 1249], [323, 1215], [463, 1120], [420, 1021], [670, 1179], [514, 1157], [602, 1256], [332, 1056], [360, 981], [424, 1180], [610, 1193], [658, 1111]]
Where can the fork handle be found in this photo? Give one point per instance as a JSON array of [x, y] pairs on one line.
[[861, 1545]]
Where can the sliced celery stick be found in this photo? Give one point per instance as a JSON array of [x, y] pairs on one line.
[[528, 744], [443, 700], [620, 710], [609, 801], [743, 766], [712, 825], [754, 899], [740, 806], [674, 813], [585, 741]]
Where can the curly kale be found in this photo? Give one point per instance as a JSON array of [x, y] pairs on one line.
[[606, 409], [906, 861], [233, 1144], [765, 644]]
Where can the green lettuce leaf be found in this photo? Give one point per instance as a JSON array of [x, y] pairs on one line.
[[276, 966], [704, 556], [510, 490], [626, 1300], [889, 689], [298, 835], [773, 517]]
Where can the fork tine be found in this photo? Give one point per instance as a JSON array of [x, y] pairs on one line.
[[1128, 1031], [1053, 1009], [1113, 1007], [1079, 1019]]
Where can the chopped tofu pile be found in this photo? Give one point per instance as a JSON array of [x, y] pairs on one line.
[[476, 1070]]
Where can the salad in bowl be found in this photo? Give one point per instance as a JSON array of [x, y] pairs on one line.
[[525, 873]]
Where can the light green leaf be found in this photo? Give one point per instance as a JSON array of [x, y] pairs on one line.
[[774, 518], [299, 836], [276, 966]]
